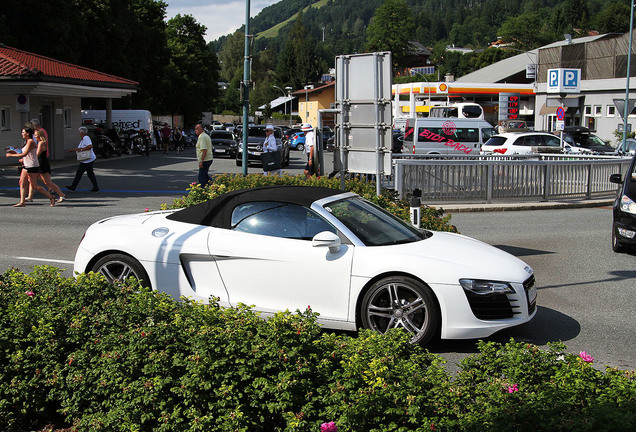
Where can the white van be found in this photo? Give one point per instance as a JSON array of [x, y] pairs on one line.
[[447, 135], [469, 110]]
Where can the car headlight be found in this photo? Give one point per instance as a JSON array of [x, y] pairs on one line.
[[484, 287], [627, 205]]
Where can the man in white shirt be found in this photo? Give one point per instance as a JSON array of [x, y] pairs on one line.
[[310, 143]]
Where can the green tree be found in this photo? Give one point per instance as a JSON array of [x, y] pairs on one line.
[[299, 62], [613, 17], [231, 56], [391, 28], [191, 83], [529, 30]]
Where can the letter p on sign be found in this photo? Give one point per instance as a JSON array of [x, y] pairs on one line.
[[569, 78], [553, 78]]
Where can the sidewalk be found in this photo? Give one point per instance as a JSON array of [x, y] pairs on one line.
[[524, 205]]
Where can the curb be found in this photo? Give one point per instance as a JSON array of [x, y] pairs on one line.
[[520, 206]]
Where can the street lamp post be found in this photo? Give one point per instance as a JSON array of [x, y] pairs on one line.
[[629, 63], [291, 107]]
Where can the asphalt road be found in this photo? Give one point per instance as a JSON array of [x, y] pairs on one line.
[[585, 290]]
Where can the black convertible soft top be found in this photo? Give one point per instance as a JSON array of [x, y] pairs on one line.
[[217, 212]]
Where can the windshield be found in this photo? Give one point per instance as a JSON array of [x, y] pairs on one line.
[[487, 133], [373, 225]]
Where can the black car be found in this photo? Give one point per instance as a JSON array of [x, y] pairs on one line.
[[223, 143], [255, 138], [580, 138], [624, 220]]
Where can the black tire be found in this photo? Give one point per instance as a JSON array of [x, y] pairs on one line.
[[120, 267], [300, 147], [399, 301], [239, 162], [617, 246]]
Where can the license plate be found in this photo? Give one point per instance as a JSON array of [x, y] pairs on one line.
[[219, 150]]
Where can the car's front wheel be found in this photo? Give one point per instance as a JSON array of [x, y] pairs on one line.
[[119, 267], [399, 301], [617, 246]]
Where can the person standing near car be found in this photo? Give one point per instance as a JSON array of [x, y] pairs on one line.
[[204, 154], [310, 142], [269, 146]]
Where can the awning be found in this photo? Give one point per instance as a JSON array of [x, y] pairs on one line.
[[548, 110]]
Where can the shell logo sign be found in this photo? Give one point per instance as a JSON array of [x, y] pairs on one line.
[[442, 88]]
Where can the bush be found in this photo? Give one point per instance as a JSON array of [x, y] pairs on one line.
[[431, 218], [88, 355]]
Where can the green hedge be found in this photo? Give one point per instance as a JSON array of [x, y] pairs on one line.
[[87, 355], [431, 218]]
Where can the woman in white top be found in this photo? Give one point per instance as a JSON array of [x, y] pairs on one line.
[[31, 170]]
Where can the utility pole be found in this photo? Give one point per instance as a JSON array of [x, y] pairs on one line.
[[246, 85]]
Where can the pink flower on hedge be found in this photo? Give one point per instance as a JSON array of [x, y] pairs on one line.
[[328, 427], [146, 209], [586, 357], [513, 388], [29, 293]]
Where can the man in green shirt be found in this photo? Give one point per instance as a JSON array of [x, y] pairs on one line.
[[204, 154]]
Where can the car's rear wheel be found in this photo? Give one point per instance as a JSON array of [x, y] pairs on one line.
[[300, 147], [119, 267], [617, 246], [399, 301]]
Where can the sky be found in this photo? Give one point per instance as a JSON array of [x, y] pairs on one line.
[[221, 17]]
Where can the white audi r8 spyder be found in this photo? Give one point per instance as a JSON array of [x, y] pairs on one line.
[[289, 247]]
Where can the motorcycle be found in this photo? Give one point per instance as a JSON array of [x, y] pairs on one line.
[[136, 141], [104, 146]]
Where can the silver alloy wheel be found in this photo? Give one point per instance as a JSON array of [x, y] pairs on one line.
[[399, 302], [120, 267]]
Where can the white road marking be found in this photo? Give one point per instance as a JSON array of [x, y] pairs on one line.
[[45, 260]]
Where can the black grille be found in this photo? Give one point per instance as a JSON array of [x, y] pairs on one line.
[[500, 306]]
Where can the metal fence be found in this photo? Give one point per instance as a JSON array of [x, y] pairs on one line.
[[485, 178]]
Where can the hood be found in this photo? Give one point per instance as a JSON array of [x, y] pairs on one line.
[[449, 256]]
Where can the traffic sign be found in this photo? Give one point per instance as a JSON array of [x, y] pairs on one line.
[[560, 113]]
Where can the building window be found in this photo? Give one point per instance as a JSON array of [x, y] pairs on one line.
[[5, 118], [588, 110], [611, 111], [598, 110], [67, 118]]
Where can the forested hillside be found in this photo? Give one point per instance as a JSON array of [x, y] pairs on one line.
[[341, 24]]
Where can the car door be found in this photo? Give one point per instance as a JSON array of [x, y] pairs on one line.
[[267, 260]]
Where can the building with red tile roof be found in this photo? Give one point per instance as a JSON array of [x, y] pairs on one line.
[[36, 86]]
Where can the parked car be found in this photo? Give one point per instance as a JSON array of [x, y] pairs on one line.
[[624, 210], [229, 126], [288, 132], [223, 143], [285, 247], [190, 137], [511, 143], [628, 149], [255, 138], [581, 140], [297, 141]]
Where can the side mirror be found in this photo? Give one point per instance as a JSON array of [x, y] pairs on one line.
[[327, 239], [616, 178]]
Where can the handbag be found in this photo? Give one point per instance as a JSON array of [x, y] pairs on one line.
[[271, 161], [83, 155]]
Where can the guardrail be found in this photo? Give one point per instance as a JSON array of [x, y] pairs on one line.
[[488, 178]]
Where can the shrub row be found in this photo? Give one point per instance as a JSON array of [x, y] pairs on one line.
[[87, 355], [431, 218]]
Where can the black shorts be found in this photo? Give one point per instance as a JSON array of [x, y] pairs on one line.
[[309, 168], [32, 170]]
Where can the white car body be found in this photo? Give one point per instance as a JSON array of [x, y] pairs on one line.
[[521, 143], [277, 274]]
